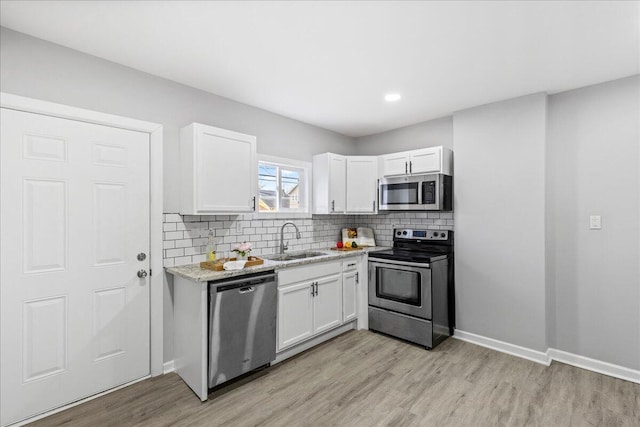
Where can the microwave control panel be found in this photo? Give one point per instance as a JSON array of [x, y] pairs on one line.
[[421, 234]]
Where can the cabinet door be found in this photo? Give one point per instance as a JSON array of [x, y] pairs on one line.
[[349, 295], [337, 183], [327, 304], [295, 314], [395, 164], [225, 176], [425, 161], [361, 184]]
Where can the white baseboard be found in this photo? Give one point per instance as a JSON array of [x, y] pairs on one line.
[[594, 365], [551, 354], [168, 367], [504, 347]]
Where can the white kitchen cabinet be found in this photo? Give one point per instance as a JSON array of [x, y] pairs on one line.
[[344, 184], [309, 302], [329, 183], [327, 304], [295, 313], [218, 170], [350, 281], [362, 184], [415, 162]]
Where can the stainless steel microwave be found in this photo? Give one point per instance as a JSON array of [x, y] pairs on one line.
[[432, 192]]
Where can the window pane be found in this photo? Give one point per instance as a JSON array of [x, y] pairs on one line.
[[282, 188], [290, 185], [268, 187]]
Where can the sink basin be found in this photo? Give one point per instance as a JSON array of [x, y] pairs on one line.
[[292, 256]]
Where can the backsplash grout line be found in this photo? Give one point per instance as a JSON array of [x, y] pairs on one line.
[[185, 237]]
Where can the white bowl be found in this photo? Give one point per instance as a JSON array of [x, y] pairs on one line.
[[234, 265]]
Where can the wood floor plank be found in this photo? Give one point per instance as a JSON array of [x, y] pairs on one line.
[[366, 379]]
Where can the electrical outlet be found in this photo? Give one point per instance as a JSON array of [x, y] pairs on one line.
[[595, 222], [238, 227]]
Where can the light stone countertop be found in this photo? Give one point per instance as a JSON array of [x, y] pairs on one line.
[[195, 273]]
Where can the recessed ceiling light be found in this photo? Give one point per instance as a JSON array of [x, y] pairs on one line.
[[392, 97]]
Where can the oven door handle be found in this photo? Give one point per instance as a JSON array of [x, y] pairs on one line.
[[383, 262]]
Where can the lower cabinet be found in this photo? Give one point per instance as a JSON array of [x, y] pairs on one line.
[[295, 314], [349, 295], [308, 308], [327, 304]]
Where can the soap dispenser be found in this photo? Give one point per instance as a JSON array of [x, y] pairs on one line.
[[211, 247]]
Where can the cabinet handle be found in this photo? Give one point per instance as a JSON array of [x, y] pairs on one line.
[[253, 203], [405, 168], [333, 205], [410, 167], [316, 288], [357, 277], [373, 204], [351, 265], [313, 290]]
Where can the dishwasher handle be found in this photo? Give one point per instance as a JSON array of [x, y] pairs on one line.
[[246, 284]]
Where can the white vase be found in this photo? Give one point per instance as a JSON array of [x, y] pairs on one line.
[[241, 257]]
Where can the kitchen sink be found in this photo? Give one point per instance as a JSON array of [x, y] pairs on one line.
[[292, 256]]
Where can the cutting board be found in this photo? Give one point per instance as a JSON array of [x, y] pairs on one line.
[[217, 265], [346, 249]]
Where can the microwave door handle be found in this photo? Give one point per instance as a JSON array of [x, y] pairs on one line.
[[420, 184]]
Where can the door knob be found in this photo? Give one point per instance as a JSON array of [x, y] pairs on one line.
[[142, 273], [142, 256]]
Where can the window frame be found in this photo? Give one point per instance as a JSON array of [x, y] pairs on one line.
[[285, 162]]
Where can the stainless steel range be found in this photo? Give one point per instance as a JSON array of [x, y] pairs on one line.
[[411, 287]]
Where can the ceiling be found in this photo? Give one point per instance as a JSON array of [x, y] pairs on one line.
[[331, 63]]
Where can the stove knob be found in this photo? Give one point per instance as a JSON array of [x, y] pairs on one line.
[[398, 233], [404, 233]]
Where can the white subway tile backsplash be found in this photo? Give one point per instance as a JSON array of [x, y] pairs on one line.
[[172, 253], [185, 237], [173, 235]]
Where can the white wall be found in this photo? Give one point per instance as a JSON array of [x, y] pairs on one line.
[[499, 218], [593, 169], [39, 69], [426, 134]]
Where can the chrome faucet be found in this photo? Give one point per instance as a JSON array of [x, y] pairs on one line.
[[284, 246]]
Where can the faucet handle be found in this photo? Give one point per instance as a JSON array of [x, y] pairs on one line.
[[285, 246]]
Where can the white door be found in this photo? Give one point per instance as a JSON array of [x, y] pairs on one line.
[[395, 164], [74, 216], [425, 161], [294, 314], [337, 183], [349, 295], [362, 184], [327, 304]]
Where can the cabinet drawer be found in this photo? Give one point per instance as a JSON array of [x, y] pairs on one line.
[[350, 264], [308, 272]]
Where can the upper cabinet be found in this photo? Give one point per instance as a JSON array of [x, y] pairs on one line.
[[329, 188], [423, 161], [362, 184], [344, 184], [218, 170]]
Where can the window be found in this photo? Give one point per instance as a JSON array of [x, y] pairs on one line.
[[283, 185]]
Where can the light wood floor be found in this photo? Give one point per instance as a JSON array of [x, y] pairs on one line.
[[366, 379]]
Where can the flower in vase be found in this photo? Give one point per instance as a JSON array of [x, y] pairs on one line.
[[243, 249]]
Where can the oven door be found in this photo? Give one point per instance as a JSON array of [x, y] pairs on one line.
[[402, 193], [399, 286]]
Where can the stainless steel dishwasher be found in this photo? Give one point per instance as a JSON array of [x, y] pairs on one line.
[[242, 325]]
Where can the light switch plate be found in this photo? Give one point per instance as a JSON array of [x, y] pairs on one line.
[[595, 222], [238, 227]]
